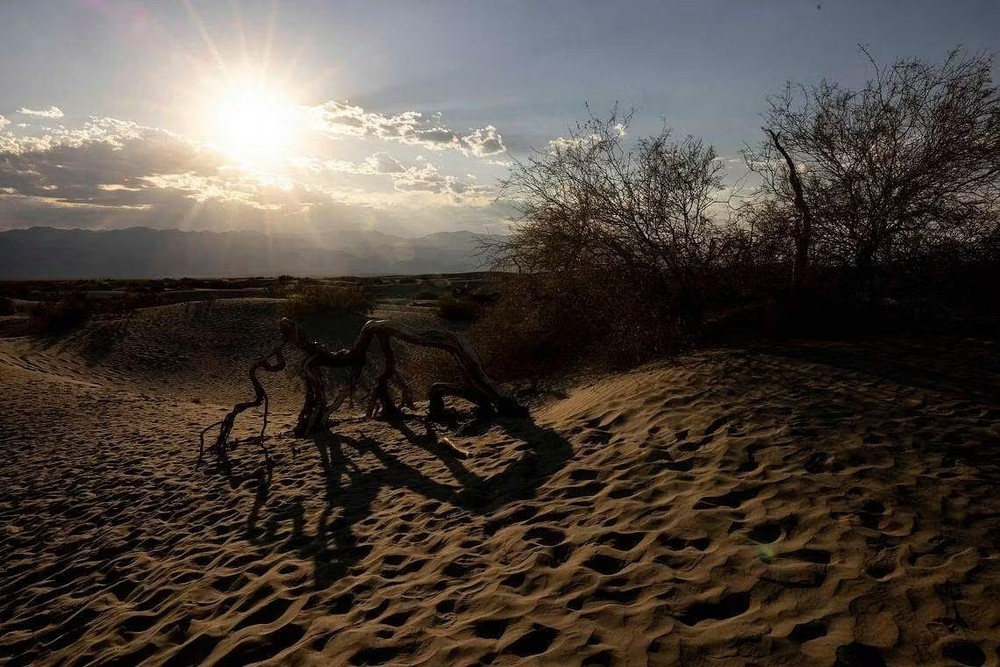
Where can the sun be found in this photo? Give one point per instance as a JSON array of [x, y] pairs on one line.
[[253, 122]]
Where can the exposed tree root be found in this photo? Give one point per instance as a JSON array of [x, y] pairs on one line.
[[476, 385]]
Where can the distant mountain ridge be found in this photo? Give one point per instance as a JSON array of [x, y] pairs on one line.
[[140, 252]]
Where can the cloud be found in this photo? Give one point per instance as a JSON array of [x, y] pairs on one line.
[[70, 165], [484, 142], [107, 131], [421, 178], [427, 178], [51, 112], [563, 144], [108, 172], [383, 163], [410, 128], [3, 123]]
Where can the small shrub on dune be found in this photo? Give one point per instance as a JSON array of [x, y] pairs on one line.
[[54, 317], [7, 306], [457, 309], [322, 301], [279, 291], [544, 326]]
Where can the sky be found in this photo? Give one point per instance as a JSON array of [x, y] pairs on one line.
[[322, 115]]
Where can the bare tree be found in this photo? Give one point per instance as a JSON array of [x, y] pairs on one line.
[[910, 159], [638, 212]]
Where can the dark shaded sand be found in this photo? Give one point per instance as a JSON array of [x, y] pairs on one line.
[[820, 504]]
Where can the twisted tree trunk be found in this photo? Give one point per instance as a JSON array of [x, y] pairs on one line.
[[476, 386], [803, 227]]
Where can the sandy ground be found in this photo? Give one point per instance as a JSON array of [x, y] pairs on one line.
[[819, 504]]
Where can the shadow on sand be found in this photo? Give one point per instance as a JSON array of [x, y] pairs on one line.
[[948, 365], [333, 545]]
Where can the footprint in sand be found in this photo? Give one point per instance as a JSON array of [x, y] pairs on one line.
[[617, 590], [663, 459], [858, 655], [816, 463], [621, 541], [872, 513], [766, 533], [380, 655], [490, 628], [544, 536], [396, 620], [679, 543], [732, 499], [606, 565], [587, 490], [597, 436], [808, 631], [964, 653], [534, 642], [816, 556], [728, 606], [514, 581]]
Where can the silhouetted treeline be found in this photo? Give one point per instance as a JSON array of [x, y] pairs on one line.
[[862, 207]]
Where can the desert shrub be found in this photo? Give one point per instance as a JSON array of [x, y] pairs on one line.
[[278, 291], [542, 325], [425, 295], [319, 301], [58, 316], [7, 306], [457, 308], [619, 233]]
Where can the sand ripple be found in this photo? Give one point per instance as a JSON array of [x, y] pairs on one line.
[[759, 507]]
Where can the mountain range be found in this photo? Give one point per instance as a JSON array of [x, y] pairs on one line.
[[139, 252]]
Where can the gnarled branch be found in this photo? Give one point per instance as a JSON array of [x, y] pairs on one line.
[[476, 386]]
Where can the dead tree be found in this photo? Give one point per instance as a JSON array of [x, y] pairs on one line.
[[476, 386], [803, 227]]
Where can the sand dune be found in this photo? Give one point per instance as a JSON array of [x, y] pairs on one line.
[[804, 504]]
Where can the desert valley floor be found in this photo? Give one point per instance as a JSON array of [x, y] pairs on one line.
[[803, 503]]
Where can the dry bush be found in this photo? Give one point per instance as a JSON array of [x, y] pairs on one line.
[[636, 212], [457, 308], [59, 316], [319, 301], [617, 245], [544, 325]]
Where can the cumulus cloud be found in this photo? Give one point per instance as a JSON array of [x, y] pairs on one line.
[[484, 142], [562, 144], [410, 127], [3, 122], [51, 112], [383, 163], [427, 178], [423, 177], [98, 174], [70, 165]]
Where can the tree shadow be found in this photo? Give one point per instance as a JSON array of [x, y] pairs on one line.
[[941, 364], [350, 491], [936, 394]]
